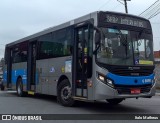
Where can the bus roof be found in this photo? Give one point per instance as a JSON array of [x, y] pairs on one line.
[[69, 23]]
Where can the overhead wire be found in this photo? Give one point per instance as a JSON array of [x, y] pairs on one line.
[[155, 14], [149, 7], [152, 11], [120, 2]]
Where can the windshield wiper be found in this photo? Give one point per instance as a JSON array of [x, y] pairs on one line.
[[140, 33], [123, 41]]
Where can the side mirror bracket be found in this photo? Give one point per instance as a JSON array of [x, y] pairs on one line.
[[97, 39], [97, 36]]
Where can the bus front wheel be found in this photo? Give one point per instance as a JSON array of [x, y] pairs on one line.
[[64, 93], [19, 87], [114, 101]]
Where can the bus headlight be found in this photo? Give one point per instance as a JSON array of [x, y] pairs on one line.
[[105, 80], [109, 82], [101, 77]]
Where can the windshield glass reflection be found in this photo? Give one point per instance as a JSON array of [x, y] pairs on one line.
[[123, 47]]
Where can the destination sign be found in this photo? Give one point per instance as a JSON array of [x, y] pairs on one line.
[[123, 20]]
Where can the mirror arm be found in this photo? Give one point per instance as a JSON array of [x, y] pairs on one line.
[[98, 30], [95, 51]]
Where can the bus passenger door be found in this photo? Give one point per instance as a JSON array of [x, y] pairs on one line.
[[82, 63], [31, 82]]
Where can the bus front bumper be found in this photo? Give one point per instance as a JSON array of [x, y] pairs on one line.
[[103, 91]]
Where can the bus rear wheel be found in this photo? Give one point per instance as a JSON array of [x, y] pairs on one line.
[[19, 88], [64, 93], [2, 87], [114, 101]]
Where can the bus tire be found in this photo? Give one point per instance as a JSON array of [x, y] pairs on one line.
[[64, 93], [19, 88], [2, 87], [114, 101]]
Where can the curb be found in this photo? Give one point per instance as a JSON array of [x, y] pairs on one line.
[[158, 94]]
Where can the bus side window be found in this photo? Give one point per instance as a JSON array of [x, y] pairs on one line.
[[19, 53]]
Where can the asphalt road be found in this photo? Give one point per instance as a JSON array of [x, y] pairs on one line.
[[42, 104]]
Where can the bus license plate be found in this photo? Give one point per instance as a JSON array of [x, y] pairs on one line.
[[135, 91]]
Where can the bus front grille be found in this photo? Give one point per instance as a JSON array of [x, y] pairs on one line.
[[124, 72]]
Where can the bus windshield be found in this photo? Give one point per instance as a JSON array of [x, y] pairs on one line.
[[125, 47]]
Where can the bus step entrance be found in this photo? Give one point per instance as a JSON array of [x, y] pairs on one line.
[[31, 92], [32, 87], [81, 93], [9, 89], [81, 88], [80, 98]]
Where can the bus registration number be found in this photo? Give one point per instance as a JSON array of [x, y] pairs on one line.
[[135, 91]]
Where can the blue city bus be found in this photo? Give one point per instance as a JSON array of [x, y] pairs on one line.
[[99, 56]]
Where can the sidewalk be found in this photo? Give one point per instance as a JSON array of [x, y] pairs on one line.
[[157, 94], [158, 89]]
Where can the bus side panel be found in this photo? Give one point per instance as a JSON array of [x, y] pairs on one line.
[[19, 70], [57, 68], [49, 72], [42, 76]]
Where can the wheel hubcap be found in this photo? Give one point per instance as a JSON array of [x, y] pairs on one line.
[[19, 89], [66, 93]]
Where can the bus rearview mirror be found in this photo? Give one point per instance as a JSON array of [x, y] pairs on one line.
[[97, 38]]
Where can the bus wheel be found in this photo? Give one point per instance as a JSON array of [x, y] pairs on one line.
[[64, 93], [114, 101], [2, 87], [19, 87]]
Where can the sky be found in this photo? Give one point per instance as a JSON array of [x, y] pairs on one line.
[[21, 18]]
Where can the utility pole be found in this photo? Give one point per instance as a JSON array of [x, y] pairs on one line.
[[125, 4]]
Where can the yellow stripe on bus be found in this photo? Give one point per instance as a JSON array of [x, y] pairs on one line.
[[31, 92]]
